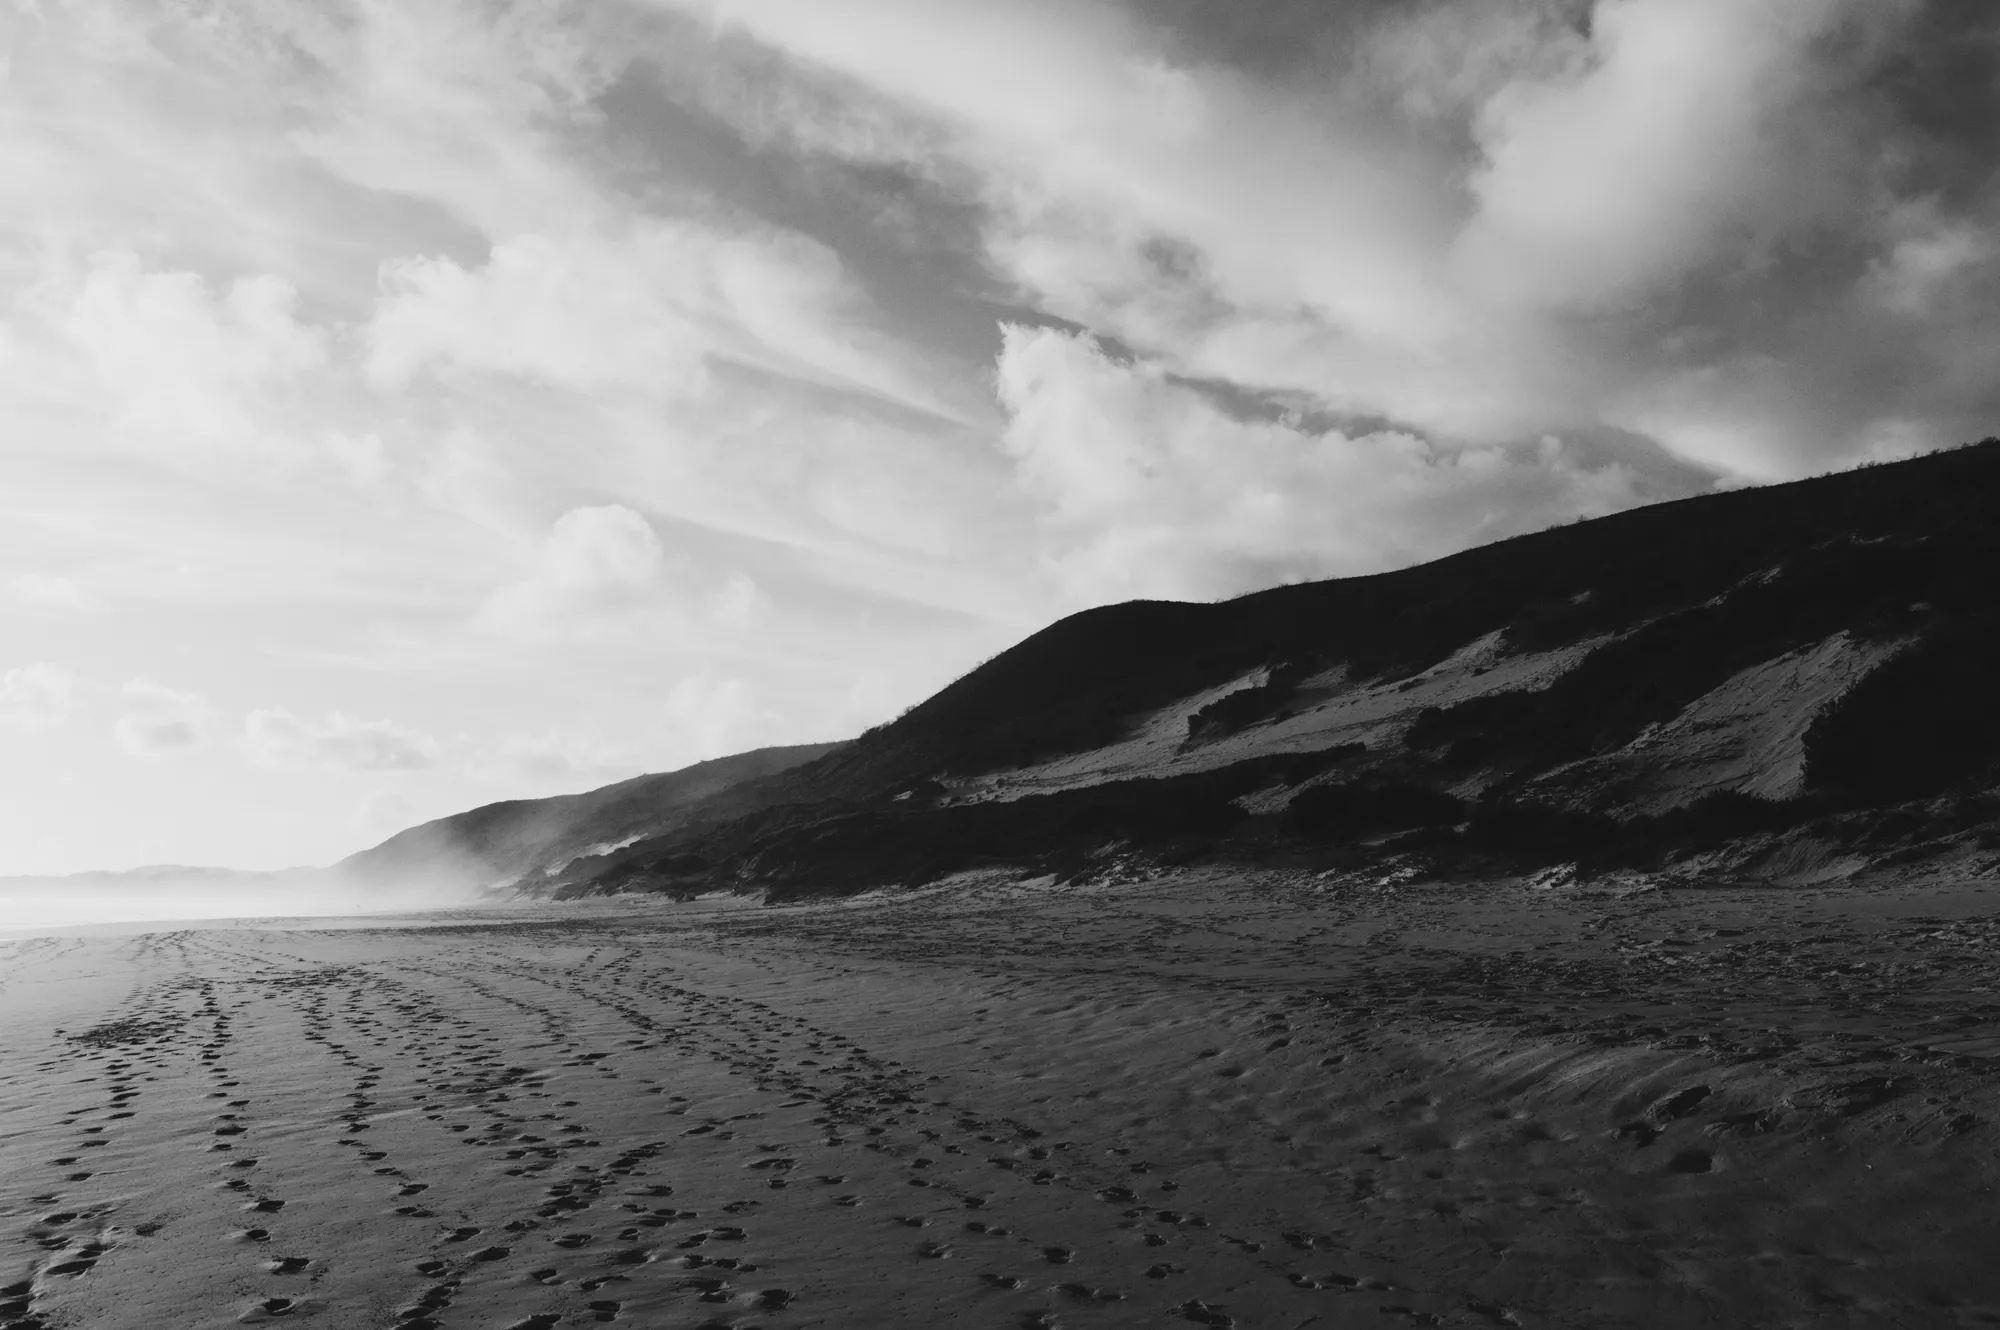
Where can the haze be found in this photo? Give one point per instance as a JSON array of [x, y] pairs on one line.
[[30, 905]]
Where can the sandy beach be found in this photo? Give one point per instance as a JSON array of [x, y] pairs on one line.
[[1251, 1100]]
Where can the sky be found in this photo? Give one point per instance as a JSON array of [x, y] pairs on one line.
[[408, 404]]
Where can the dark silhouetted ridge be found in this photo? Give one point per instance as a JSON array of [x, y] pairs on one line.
[[503, 841], [1783, 681]]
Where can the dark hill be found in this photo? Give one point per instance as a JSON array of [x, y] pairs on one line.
[[503, 841], [1862, 546], [1788, 681]]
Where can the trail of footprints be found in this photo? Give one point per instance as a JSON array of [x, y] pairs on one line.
[[73, 1236], [414, 1038], [854, 1089]]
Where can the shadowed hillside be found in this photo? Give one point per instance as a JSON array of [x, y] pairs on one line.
[[1789, 681], [500, 842]]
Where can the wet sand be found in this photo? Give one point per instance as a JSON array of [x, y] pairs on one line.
[[1212, 1099]]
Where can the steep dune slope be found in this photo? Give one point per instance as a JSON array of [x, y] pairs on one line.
[[1714, 672], [498, 843], [1711, 580]]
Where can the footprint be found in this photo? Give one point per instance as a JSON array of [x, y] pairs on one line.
[[1691, 1161], [1085, 1293]]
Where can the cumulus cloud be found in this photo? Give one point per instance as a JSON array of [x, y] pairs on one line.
[[566, 314], [164, 359], [159, 721], [274, 737], [1154, 490], [597, 563], [1693, 126], [35, 697], [602, 571]]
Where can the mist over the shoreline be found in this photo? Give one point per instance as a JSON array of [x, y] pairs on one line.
[[149, 895]]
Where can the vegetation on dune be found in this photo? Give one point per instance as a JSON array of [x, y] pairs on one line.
[[1672, 602], [1855, 550]]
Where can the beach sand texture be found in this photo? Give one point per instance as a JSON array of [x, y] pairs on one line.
[[1201, 1098]]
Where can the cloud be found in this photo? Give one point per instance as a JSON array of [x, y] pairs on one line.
[[160, 357], [47, 591], [527, 353], [1693, 126], [35, 697], [603, 572], [159, 720], [274, 737], [1152, 490], [597, 563], [567, 314], [645, 307], [1478, 221]]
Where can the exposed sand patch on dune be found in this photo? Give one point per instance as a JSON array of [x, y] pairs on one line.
[[1746, 735], [1326, 710]]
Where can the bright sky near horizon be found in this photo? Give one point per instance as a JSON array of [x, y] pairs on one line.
[[406, 404]]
